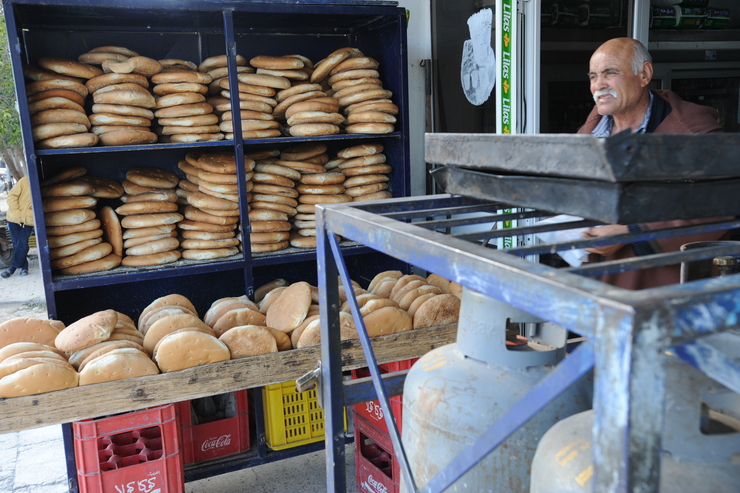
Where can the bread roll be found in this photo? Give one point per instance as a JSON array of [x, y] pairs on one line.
[[237, 317], [110, 261], [87, 331], [169, 324], [117, 364], [37, 379], [183, 350], [152, 259], [290, 309], [25, 329], [249, 340], [439, 310]]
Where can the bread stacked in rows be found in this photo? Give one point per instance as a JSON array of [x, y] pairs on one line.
[[429, 301], [73, 232], [104, 347], [315, 186], [256, 101], [217, 68], [366, 172], [238, 323], [272, 203], [355, 83], [56, 103], [150, 214], [121, 113], [316, 117], [212, 210], [183, 115]]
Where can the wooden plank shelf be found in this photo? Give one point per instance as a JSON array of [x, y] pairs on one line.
[[132, 394]]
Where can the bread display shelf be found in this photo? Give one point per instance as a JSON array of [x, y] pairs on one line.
[[221, 143], [122, 274], [137, 393]]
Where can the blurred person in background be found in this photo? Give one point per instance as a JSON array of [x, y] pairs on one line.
[[20, 224]]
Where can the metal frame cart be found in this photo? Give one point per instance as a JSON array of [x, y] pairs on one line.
[[193, 30], [624, 330]]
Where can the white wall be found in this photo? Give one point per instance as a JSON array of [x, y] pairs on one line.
[[419, 48]]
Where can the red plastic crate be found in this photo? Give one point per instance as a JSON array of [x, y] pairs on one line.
[[371, 411], [376, 467], [207, 441], [137, 451]]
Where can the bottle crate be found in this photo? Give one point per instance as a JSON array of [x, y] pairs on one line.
[[224, 433], [138, 451]]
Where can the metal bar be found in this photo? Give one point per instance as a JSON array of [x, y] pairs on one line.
[[445, 211], [372, 365], [363, 389], [629, 399], [525, 230], [446, 223], [422, 203], [626, 238], [711, 362], [657, 260], [568, 372], [330, 383]]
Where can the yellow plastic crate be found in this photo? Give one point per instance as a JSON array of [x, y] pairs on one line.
[[292, 418]]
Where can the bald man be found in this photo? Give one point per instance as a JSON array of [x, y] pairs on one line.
[[620, 72]]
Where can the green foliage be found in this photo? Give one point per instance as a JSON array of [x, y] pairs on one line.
[[10, 129]]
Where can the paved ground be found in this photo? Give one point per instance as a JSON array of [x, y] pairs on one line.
[[32, 461]]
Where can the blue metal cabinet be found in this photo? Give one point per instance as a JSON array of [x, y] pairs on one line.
[[195, 30]]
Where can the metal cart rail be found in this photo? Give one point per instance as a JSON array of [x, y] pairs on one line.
[[625, 330]]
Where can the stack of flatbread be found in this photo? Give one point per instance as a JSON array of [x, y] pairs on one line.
[[256, 100], [149, 217], [182, 113], [212, 211], [74, 234], [56, 100], [316, 186], [366, 172]]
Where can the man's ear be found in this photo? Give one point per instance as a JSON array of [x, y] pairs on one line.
[[646, 75]]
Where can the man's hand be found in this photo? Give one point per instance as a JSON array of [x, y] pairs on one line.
[[609, 230]]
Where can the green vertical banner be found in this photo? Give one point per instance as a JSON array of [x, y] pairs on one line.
[[506, 34], [506, 22]]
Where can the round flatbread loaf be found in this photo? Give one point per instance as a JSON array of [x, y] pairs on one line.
[[110, 261], [249, 340], [290, 309], [87, 331], [387, 320], [236, 318], [152, 259], [24, 329], [37, 379], [148, 220], [311, 335], [209, 254], [182, 350], [117, 364], [168, 324], [439, 310]]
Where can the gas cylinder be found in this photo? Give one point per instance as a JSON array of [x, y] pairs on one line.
[[700, 449], [455, 393]]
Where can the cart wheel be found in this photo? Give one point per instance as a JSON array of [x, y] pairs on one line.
[[6, 254]]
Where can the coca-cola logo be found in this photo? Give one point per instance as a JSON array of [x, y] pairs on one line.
[[216, 442], [377, 486]]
